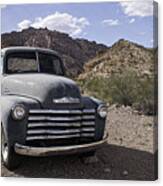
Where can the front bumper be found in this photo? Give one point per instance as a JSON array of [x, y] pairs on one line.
[[49, 151]]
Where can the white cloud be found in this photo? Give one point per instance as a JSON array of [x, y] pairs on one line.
[[132, 21], [137, 8], [111, 22], [24, 24], [62, 22]]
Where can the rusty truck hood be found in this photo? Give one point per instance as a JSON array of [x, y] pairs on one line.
[[45, 88]]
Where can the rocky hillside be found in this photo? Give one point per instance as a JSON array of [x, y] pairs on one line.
[[122, 56], [124, 75], [75, 52]]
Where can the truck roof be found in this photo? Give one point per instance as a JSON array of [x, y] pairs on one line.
[[24, 48]]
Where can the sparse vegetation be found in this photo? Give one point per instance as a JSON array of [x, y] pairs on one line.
[[125, 89]]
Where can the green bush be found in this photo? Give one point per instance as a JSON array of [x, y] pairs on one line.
[[125, 89]]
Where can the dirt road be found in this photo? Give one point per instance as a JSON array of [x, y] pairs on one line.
[[129, 153]]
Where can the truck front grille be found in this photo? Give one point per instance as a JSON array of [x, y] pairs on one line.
[[48, 125]]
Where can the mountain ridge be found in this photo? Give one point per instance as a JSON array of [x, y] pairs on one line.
[[121, 56], [74, 52], [86, 58]]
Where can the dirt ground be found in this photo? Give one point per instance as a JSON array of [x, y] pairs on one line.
[[130, 153]]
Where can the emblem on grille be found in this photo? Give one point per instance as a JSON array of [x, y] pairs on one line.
[[66, 100]]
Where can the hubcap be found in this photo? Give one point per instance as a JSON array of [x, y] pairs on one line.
[[4, 147], [5, 152]]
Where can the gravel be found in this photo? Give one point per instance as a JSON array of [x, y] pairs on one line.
[[129, 155]]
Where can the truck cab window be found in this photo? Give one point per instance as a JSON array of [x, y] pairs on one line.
[[22, 62], [50, 64]]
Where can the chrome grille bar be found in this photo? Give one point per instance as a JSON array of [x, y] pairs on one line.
[[88, 129], [31, 125], [47, 137], [87, 135], [53, 131], [89, 111], [62, 111], [54, 118], [88, 117], [60, 124], [55, 112], [48, 124], [67, 131], [88, 123], [49, 118]]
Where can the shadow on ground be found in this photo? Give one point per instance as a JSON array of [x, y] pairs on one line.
[[115, 162]]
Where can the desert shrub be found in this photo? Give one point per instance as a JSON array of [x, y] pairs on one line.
[[97, 87], [125, 89], [146, 100]]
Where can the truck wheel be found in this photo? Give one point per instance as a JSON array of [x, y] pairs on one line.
[[9, 157]]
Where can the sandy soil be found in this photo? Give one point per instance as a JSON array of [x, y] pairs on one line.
[[129, 154]]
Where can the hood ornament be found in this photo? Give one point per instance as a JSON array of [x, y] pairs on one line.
[[67, 100]]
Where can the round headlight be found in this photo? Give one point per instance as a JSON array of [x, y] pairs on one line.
[[18, 112], [102, 111]]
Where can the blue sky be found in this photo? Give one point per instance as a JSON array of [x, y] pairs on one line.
[[102, 22]]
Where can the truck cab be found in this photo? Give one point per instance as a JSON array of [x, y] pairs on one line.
[[42, 111]]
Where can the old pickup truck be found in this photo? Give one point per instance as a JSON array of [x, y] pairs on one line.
[[43, 112]]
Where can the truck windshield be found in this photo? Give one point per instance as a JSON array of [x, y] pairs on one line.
[[28, 62]]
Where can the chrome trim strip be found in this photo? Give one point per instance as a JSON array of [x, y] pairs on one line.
[[67, 131], [89, 111], [36, 118], [88, 123], [88, 117], [67, 100], [90, 129], [44, 131], [55, 112], [62, 111], [87, 134], [47, 137], [75, 124], [55, 118], [46, 151]]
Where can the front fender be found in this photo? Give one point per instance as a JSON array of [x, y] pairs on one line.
[[15, 131], [89, 103]]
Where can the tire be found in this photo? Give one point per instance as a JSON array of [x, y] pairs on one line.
[[10, 159]]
